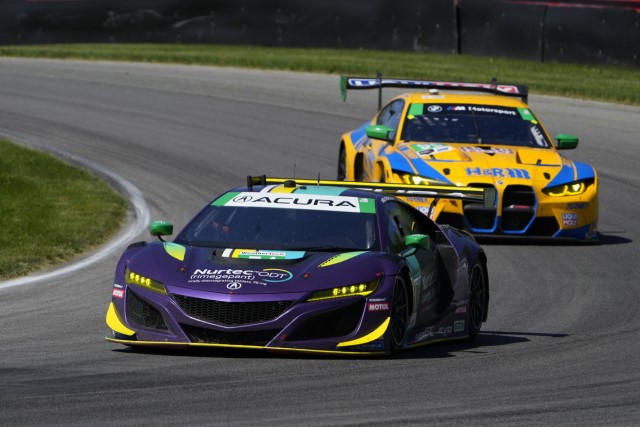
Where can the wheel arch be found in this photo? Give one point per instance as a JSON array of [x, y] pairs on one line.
[[482, 257], [406, 276]]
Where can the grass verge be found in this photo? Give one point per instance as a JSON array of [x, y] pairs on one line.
[[604, 83], [51, 211]]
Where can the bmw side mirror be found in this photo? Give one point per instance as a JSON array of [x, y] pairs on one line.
[[418, 241], [161, 228], [382, 132], [566, 141]]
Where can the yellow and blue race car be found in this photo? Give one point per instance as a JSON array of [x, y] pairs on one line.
[[477, 135]]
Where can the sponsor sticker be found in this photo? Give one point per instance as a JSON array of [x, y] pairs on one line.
[[378, 306], [569, 219], [514, 173], [489, 150], [458, 326], [298, 201], [261, 254], [118, 293], [256, 277], [577, 206], [428, 149], [434, 108]]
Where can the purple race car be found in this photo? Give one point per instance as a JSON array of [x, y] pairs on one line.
[[309, 266]]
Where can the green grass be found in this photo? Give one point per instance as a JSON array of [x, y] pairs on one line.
[[51, 211], [604, 83]]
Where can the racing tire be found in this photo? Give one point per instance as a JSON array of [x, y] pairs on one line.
[[477, 300], [399, 315], [342, 164]]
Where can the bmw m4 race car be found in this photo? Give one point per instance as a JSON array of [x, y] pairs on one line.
[[305, 266], [486, 139]]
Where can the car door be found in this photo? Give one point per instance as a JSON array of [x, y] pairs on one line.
[[431, 288]]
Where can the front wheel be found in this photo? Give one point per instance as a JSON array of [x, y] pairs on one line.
[[342, 164], [399, 315], [477, 300]]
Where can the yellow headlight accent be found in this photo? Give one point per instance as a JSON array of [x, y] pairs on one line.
[[572, 189], [414, 179], [361, 289], [135, 279]]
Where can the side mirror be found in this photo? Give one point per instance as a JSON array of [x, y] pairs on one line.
[[161, 228], [380, 132], [566, 141], [418, 241]]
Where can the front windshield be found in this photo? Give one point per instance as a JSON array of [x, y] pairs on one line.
[[292, 229], [475, 124]]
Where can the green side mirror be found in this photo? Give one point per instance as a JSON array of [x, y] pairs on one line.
[[161, 228], [418, 240], [566, 141], [380, 132]]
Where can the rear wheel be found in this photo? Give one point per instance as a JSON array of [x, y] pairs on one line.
[[342, 164], [477, 300], [399, 314]]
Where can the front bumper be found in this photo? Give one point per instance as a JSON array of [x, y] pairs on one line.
[[348, 325]]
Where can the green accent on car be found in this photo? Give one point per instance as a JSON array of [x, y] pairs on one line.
[[161, 228], [379, 132], [343, 87], [222, 200], [566, 141], [416, 110], [418, 240], [175, 250], [367, 205], [337, 259], [526, 114]]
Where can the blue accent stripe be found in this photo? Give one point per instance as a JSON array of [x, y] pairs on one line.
[[575, 233], [429, 172], [584, 171], [359, 136], [566, 174]]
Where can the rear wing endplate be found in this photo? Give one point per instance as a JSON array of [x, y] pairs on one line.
[[361, 83], [486, 196]]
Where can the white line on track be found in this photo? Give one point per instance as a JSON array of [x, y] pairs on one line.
[[137, 225]]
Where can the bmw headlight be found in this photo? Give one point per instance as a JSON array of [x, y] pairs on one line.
[[571, 189], [362, 289], [133, 278], [418, 180]]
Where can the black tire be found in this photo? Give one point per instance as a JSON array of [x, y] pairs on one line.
[[477, 300], [399, 315], [342, 164]]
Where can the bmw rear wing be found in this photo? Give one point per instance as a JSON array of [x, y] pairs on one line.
[[361, 83], [486, 196]]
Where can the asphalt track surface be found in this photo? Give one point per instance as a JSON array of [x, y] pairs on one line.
[[561, 346]]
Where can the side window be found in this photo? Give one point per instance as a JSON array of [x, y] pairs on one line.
[[391, 114], [395, 233], [411, 222]]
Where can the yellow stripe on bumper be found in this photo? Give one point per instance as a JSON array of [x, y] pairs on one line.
[[113, 321], [377, 333]]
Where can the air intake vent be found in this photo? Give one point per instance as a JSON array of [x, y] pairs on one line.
[[231, 313], [142, 314]]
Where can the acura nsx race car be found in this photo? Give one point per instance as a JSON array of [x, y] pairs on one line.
[[307, 266], [486, 139]]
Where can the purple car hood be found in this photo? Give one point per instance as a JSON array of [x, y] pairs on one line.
[[245, 271]]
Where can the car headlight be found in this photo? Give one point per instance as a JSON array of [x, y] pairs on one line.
[[133, 278], [418, 180], [362, 289], [570, 189]]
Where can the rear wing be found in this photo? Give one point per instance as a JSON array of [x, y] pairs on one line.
[[486, 196], [361, 83]]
